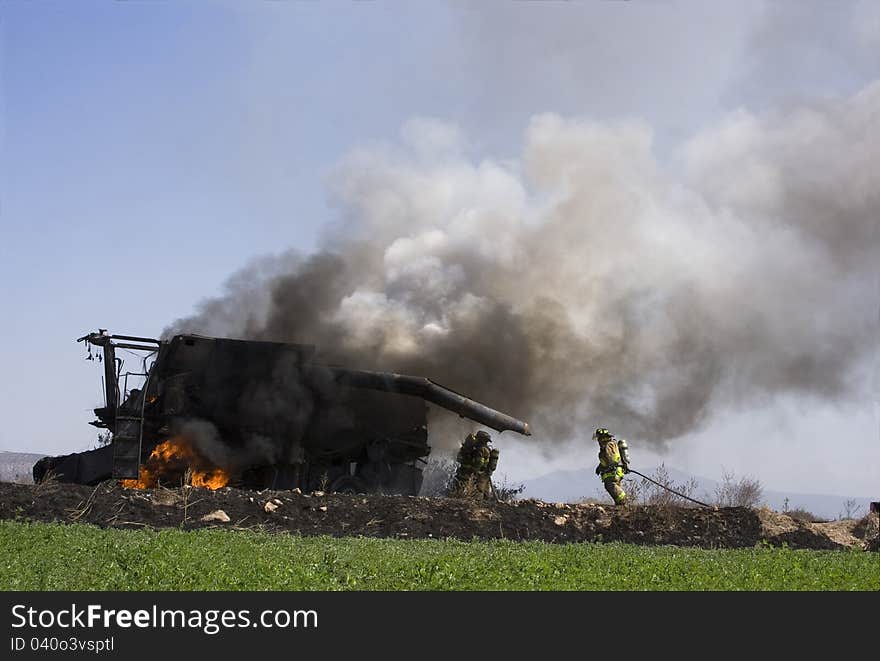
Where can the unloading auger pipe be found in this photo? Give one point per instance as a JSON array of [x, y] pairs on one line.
[[420, 386], [663, 486]]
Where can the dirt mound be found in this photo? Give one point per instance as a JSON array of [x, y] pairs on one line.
[[409, 517]]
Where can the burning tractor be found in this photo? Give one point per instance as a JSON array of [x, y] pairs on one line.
[[219, 412]]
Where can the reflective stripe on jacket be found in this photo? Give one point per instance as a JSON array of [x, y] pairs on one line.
[[615, 473], [476, 459], [609, 460]]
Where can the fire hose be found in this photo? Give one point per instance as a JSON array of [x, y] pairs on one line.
[[663, 486]]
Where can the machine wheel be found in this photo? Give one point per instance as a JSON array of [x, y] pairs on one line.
[[348, 484]]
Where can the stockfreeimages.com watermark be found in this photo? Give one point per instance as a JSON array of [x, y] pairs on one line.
[[208, 621]]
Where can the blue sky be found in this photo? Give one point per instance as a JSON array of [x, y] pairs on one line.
[[150, 149]]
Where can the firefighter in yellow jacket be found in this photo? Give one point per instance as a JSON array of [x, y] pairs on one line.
[[613, 463], [476, 463]]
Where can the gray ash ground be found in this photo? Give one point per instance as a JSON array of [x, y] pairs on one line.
[[408, 517]]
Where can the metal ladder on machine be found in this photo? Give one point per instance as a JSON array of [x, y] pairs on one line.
[[127, 447], [128, 440]]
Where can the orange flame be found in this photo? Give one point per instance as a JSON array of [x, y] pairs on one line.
[[169, 461]]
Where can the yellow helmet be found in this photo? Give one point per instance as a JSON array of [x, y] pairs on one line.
[[601, 434]]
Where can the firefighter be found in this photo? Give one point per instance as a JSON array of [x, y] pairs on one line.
[[476, 463], [613, 463]]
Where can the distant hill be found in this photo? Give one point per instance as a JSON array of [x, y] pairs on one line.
[[572, 485], [16, 466]]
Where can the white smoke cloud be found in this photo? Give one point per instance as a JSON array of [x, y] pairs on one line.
[[586, 281]]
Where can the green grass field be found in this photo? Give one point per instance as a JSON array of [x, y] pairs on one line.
[[77, 557]]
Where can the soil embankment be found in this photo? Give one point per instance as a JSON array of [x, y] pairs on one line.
[[407, 517]]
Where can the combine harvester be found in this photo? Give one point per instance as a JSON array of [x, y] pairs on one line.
[[258, 415]]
